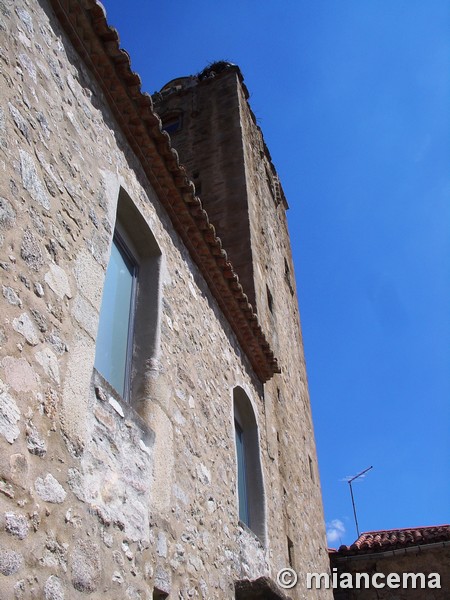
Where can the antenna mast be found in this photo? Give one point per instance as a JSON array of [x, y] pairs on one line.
[[350, 481]]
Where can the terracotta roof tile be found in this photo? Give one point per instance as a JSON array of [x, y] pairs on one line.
[[394, 539], [84, 21]]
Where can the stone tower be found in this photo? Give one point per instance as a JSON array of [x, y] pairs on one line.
[[215, 133]]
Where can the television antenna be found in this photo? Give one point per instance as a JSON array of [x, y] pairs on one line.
[[350, 481]]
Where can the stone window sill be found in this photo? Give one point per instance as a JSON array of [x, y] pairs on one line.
[[106, 394]]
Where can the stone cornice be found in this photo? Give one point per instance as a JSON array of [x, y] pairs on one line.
[[84, 21]]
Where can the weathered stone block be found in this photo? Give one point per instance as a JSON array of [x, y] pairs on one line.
[[89, 276], [17, 525], [49, 362], [26, 19], [57, 280], [7, 213], [35, 444], [86, 315], [20, 122], [19, 374], [31, 252], [18, 465], [85, 566], [9, 415], [25, 327], [53, 589], [11, 296], [31, 181], [10, 561], [49, 489]]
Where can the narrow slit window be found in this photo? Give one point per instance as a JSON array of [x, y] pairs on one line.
[[250, 503], [269, 299], [242, 475], [311, 469], [290, 547], [115, 338]]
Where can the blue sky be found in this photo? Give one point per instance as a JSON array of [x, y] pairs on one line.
[[353, 99]]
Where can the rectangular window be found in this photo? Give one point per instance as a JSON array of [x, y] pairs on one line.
[[311, 468], [172, 123], [115, 333], [242, 475]]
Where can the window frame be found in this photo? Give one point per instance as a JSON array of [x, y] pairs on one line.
[[131, 255], [129, 258], [135, 240], [245, 418], [172, 122], [243, 500]]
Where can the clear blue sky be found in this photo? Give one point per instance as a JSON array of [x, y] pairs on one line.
[[353, 99]]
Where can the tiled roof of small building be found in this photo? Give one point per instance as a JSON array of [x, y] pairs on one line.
[[97, 43], [394, 539]]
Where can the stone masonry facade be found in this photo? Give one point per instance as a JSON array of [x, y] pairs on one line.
[[102, 498]]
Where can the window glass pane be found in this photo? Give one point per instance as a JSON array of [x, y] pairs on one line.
[[114, 325], [242, 476]]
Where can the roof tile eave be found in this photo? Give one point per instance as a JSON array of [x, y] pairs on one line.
[[395, 539]]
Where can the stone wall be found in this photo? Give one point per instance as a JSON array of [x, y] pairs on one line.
[[101, 498], [290, 429], [218, 135]]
